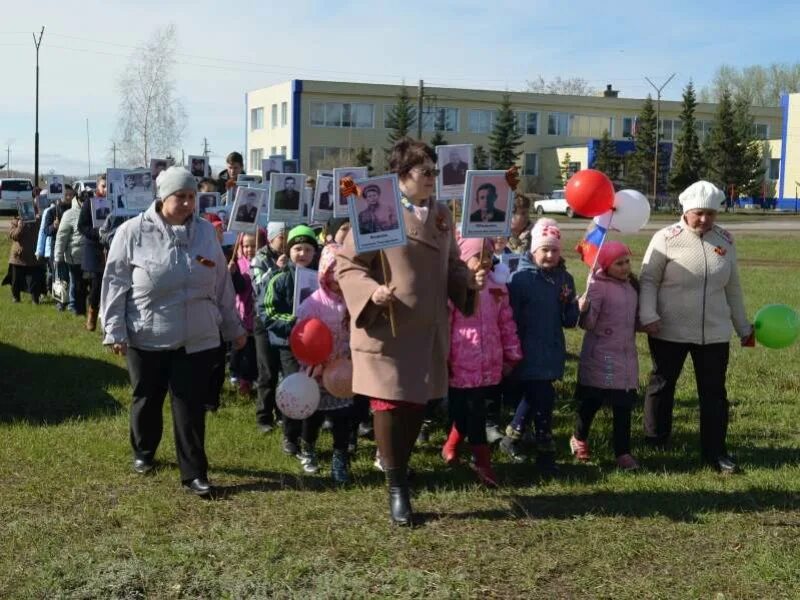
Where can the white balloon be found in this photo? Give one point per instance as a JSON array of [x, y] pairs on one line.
[[631, 212], [297, 396]]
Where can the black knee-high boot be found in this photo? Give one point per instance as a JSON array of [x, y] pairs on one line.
[[392, 436]]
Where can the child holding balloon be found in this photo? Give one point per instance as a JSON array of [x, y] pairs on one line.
[[483, 347], [609, 366], [336, 375], [542, 295], [277, 313]]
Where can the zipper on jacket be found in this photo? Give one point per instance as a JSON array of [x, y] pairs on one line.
[[705, 288]]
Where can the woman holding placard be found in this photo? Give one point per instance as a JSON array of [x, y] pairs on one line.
[[401, 374], [690, 294]]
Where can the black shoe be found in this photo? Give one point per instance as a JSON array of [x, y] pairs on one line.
[[198, 486], [365, 430], [265, 427], [290, 447], [142, 466], [399, 497], [424, 434], [725, 465]]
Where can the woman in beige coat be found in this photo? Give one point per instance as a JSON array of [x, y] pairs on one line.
[[401, 374]]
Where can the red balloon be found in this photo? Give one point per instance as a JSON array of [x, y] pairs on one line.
[[590, 193], [311, 342]]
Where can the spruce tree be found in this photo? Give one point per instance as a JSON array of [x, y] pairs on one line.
[[481, 158], [505, 137], [607, 160], [563, 171], [363, 158], [640, 166], [724, 149], [439, 126], [688, 159], [401, 117], [751, 166]]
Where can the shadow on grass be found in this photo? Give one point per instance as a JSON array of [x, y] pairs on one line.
[[51, 388]]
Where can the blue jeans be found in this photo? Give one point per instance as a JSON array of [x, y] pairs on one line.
[[536, 399]]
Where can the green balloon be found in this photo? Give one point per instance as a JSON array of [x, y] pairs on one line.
[[777, 326]]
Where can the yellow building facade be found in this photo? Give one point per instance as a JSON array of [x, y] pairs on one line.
[[324, 123]]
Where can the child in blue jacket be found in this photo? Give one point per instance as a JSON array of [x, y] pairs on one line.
[[543, 300]]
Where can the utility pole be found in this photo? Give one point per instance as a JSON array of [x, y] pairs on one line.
[[658, 132], [114, 154], [420, 97], [8, 161], [206, 149], [37, 43], [88, 148]]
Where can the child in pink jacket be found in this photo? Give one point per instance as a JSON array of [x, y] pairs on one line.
[[483, 348], [244, 369], [327, 305], [609, 365]]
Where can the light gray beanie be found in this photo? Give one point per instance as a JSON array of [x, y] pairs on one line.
[[701, 195], [174, 180], [274, 229]]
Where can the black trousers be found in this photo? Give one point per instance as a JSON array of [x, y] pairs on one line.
[[268, 361], [27, 279], [710, 367], [467, 410], [78, 286], [307, 430], [591, 399], [244, 363], [95, 283], [186, 377]]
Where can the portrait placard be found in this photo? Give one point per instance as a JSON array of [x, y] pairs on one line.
[[488, 200], [246, 207], [286, 197], [115, 185], [340, 208], [511, 261], [198, 166], [137, 192], [454, 161], [206, 200], [308, 199], [322, 206], [273, 164], [306, 283], [101, 208], [55, 187], [376, 214], [26, 211], [291, 165], [246, 180], [157, 165], [223, 212]]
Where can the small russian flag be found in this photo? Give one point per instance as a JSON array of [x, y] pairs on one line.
[[590, 245]]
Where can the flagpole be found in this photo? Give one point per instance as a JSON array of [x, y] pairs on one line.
[[597, 256]]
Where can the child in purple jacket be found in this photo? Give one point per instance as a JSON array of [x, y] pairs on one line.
[[609, 366]]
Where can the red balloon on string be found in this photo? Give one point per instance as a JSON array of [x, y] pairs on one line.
[[311, 342], [590, 193]]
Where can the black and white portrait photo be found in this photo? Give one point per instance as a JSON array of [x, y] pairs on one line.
[[322, 208], [101, 208], [306, 283], [137, 192], [286, 197], [26, 210], [291, 166], [198, 166], [245, 210], [156, 166], [55, 187], [206, 200], [340, 204], [453, 161], [270, 166]]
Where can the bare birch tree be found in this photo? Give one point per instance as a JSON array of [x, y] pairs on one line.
[[151, 118]]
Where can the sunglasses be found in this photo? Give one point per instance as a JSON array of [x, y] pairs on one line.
[[427, 171]]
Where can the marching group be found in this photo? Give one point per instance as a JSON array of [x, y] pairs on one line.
[[438, 319]]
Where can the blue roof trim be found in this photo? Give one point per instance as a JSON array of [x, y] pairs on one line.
[[297, 92], [784, 134]]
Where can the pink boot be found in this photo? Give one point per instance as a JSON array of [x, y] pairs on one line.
[[450, 448], [483, 465]]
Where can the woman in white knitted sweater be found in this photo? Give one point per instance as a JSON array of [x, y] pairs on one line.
[[690, 303]]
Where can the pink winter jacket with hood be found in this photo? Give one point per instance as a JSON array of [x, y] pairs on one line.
[[481, 344], [608, 355]]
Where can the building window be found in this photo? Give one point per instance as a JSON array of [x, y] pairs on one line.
[[339, 114], [628, 127], [527, 122], [530, 164], [481, 121], [283, 150], [329, 157], [256, 118], [761, 131], [256, 155], [774, 168], [284, 113], [558, 123], [274, 116], [434, 116]]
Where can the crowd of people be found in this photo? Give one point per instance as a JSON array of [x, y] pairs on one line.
[[440, 319]]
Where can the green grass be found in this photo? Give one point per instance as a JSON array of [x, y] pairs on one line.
[[75, 522]]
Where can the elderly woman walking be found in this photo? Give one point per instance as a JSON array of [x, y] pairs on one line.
[[690, 294], [166, 296], [401, 374]]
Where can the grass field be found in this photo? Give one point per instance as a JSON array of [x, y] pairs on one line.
[[75, 522]]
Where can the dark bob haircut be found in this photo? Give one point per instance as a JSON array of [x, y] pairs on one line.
[[407, 154]]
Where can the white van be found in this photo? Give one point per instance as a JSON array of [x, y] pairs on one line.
[[12, 190]]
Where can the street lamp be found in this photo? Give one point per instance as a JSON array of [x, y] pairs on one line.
[[658, 131], [37, 43]]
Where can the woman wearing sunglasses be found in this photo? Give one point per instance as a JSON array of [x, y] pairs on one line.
[[401, 374]]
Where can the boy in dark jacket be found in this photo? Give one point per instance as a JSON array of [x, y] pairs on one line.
[[276, 311], [542, 296]]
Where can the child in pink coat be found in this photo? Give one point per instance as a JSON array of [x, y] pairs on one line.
[[244, 369], [327, 305], [483, 348], [609, 365]]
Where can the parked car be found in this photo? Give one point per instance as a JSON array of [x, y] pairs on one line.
[[12, 190], [557, 203], [79, 185]]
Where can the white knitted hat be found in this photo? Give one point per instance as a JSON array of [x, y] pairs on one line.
[[702, 195]]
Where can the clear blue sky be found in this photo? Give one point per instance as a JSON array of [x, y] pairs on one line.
[[229, 48]]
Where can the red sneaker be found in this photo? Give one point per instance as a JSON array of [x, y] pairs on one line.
[[627, 463], [483, 465], [580, 449], [245, 387], [450, 448]]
